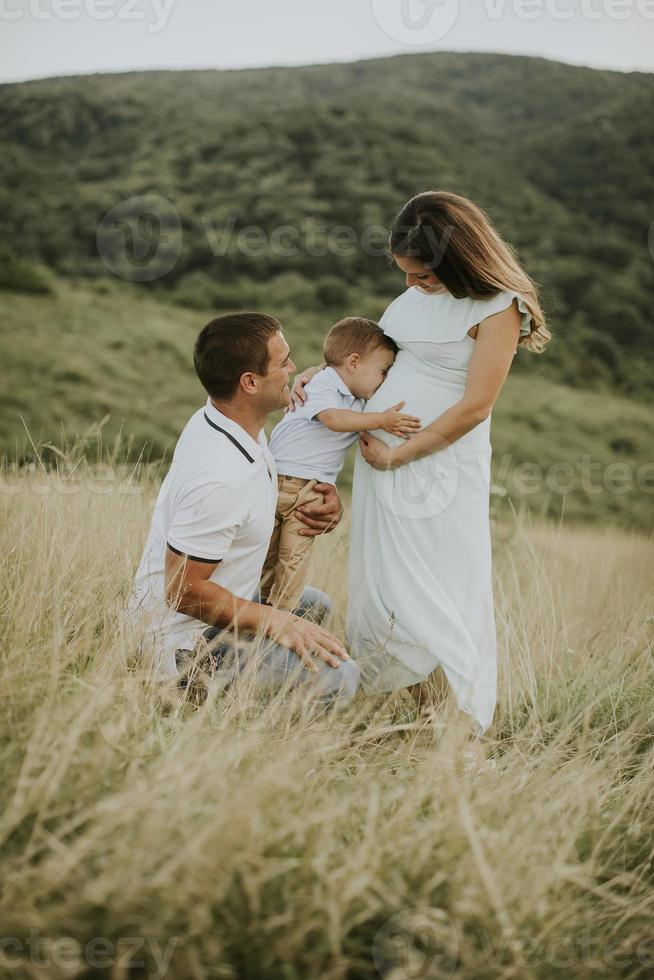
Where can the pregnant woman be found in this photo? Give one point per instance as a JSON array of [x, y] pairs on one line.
[[420, 612]]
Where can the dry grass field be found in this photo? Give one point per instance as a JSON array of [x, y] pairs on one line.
[[143, 838]]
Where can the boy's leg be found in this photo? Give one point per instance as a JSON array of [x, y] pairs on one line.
[[272, 558], [294, 548], [314, 604]]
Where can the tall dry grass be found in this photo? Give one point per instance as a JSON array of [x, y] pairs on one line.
[[239, 840]]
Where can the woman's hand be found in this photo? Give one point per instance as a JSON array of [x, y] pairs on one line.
[[377, 453], [298, 397]]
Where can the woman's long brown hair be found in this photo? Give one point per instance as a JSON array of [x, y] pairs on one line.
[[456, 239]]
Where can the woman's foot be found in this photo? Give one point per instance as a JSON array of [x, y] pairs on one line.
[[430, 695], [474, 759], [464, 755]]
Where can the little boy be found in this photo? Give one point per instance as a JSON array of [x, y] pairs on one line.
[[309, 444]]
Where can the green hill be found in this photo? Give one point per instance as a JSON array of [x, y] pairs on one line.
[[560, 156], [274, 189], [91, 351]]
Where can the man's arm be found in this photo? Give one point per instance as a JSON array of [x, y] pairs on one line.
[[189, 590]]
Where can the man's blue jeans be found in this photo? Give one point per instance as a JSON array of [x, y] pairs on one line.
[[279, 667]]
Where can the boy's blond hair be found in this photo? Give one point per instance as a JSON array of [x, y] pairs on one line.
[[354, 335]]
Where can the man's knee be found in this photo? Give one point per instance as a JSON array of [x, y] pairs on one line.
[[341, 683], [352, 678], [218, 644], [316, 605]]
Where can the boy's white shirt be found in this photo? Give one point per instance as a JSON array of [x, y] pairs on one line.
[[301, 445]]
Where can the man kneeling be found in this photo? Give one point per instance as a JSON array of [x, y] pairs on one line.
[[212, 523]]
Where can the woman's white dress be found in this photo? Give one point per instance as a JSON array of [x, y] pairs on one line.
[[420, 589]]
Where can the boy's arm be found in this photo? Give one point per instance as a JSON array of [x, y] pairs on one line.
[[343, 420], [391, 421]]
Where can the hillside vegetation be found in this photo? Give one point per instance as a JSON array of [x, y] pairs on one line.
[[561, 157], [88, 354], [273, 189]]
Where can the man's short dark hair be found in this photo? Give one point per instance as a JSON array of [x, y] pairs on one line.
[[228, 347]]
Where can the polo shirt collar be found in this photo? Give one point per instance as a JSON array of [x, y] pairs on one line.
[[244, 440], [340, 384]]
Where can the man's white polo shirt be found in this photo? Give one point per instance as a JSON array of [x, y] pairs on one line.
[[216, 504], [302, 445]]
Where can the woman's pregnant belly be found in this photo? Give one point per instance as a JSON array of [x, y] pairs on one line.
[[426, 396]]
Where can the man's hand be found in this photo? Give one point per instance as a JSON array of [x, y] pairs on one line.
[[306, 639], [397, 424], [298, 395], [321, 518]]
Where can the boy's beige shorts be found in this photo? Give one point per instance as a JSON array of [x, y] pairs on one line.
[[285, 568]]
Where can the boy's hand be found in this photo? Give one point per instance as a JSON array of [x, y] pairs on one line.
[[397, 424]]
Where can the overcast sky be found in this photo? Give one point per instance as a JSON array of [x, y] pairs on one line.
[[61, 37]]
